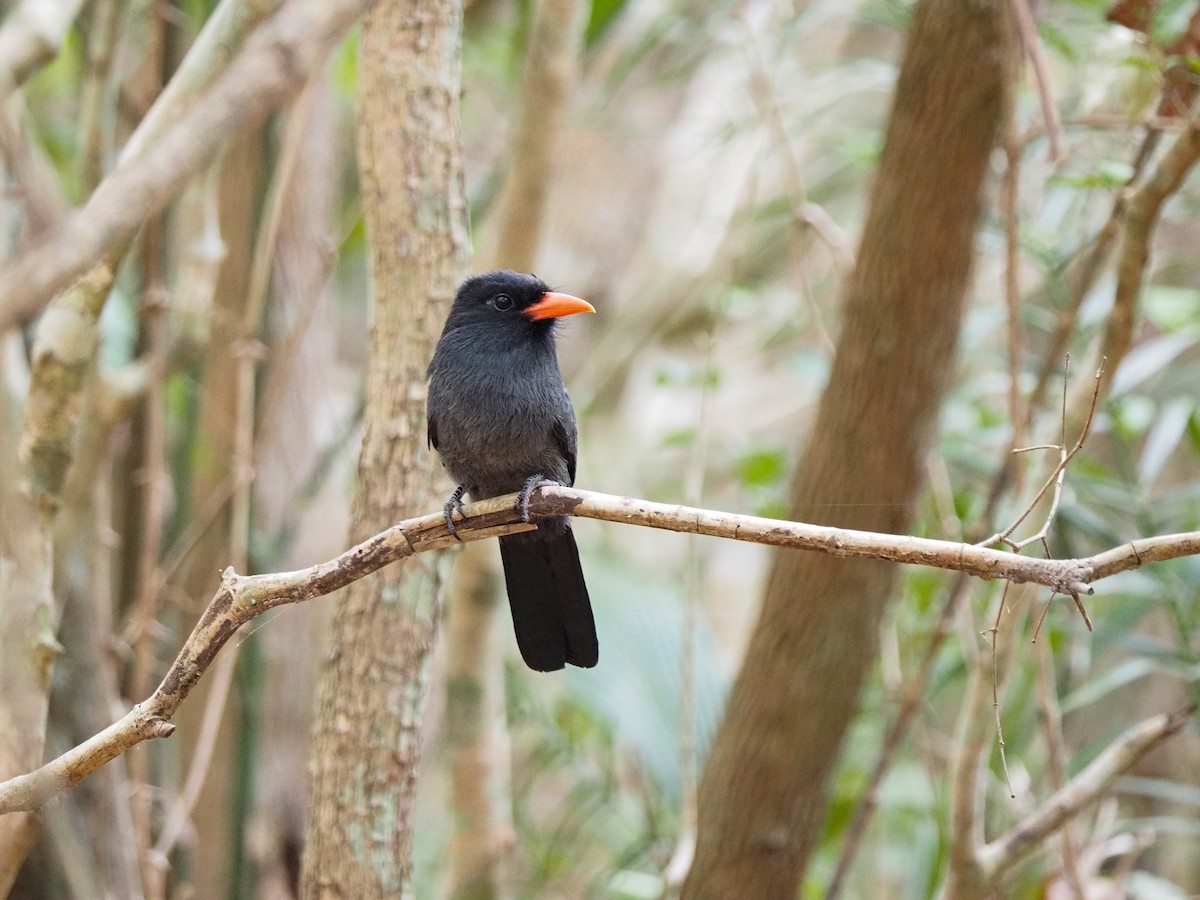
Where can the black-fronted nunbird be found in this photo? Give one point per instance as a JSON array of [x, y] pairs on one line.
[[500, 418]]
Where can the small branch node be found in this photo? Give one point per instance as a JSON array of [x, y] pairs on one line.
[[159, 728]]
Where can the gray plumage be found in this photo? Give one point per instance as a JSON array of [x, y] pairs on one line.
[[499, 415]]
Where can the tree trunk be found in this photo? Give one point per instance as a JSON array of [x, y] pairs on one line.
[[30, 497], [366, 737], [27, 651], [762, 794]]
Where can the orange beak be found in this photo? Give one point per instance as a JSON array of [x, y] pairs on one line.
[[554, 306]]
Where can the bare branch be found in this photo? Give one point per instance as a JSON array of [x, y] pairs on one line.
[[275, 63], [242, 598], [1051, 715], [221, 38], [1010, 209], [1041, 73], [1054, 481], [1143, 209], [1085, 788], [30, 37]]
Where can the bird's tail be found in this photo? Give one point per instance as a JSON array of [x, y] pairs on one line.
[[552, 615]]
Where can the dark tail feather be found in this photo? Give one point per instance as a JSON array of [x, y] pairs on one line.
[[552, 615]]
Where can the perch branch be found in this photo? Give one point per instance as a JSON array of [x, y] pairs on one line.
[[241, 598]]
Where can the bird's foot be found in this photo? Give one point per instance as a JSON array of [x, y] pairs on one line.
[[532, 483], [454, 504]]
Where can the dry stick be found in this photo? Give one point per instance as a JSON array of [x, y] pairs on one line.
[[1009, 208], [995, 633], [153, 515], [1144, 209], [206, 743], [30, 37], [1082, 277], [805, 214], [998, 856], [242, 598], [276, 61], [153, 494], [1055, 479], [1056, 752], [973, 743], [910, 700], [1027, 28]]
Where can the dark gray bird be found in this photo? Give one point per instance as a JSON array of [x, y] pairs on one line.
[[500, 418]]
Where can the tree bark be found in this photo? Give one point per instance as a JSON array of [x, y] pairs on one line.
[[61, 357], [762, 793], [366, 738]]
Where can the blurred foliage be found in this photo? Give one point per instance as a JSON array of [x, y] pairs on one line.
[[674, 207]]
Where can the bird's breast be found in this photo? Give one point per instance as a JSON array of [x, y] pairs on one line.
[[495, 422]]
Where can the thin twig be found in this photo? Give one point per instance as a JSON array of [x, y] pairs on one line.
[[995, 633], [1056, 756], [693, 580], [1144, 208], [965, 873], [1009, 208], [805, 214], [1055, 480], [1027, 28], [1000, 855]]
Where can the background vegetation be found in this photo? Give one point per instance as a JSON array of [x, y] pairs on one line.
[[707, 183]]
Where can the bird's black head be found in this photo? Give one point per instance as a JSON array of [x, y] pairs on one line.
[[512, 302]]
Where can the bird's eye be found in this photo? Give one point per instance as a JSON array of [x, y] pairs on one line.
[[502, 302]]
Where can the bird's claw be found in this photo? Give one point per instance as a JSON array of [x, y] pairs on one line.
[[454, 504], [532, 483]]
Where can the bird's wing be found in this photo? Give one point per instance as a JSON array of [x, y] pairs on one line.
[[566, 436], [431, 431]]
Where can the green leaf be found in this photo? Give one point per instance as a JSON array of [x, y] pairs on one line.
[[1108, 175], [602, 15], [761, 468]]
